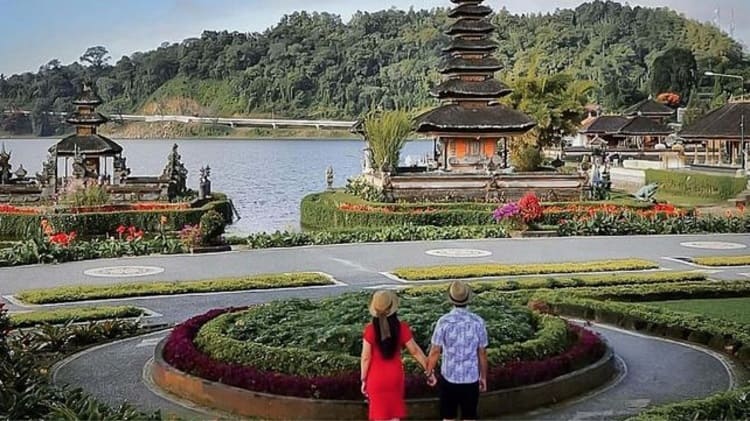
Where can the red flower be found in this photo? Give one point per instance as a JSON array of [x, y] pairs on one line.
[[531, 209], [121, 229]]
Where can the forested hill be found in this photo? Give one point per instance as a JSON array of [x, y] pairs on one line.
[[316, 65]]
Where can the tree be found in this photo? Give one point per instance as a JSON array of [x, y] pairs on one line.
[[97, 57], [675, 71]]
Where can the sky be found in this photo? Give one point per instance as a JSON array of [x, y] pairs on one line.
[[33, 32]]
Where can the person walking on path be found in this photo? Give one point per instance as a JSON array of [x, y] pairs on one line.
[[382, 371], [461, 337]]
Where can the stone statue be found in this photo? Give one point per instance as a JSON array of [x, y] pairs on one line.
[[48, 177], [205, 183], [647, 193], [367, 161], [5, 167], [121, 170], [79, 169], [329, 178], [21, 173], [176, 173]]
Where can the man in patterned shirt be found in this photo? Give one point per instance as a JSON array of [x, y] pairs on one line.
[[461, 337]]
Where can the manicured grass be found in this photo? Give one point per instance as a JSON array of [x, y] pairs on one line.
[[732, 309], [65, 315], [485, 270], [140, 289], [722, 261], [570, 282], [689, 201]]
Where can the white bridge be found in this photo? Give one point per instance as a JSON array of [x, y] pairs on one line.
[[231, 122]]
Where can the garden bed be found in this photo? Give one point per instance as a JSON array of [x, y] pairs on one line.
[[719, 261], [280, 361], [486, 270], [141, 289], [68, 315]]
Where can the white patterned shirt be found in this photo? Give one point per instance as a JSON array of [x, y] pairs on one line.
[[460, 334]]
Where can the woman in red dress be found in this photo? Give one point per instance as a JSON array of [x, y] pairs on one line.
[[382, 371]]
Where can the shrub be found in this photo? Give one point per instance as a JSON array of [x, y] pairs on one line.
[[531, 209], [696, 184], [527, 159], [722, 261], [62, 316], [731, 405], [359, 187], [93, 195], [212, 226], [386, 133]]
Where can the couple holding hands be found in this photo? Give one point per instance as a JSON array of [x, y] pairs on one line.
[[460, 337]]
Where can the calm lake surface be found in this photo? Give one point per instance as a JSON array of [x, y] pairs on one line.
[[266, 179]]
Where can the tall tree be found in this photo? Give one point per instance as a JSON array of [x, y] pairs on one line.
[[676, 71]]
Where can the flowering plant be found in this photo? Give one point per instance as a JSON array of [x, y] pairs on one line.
[[191, 235], [130, 233], [63, 239], [531, 209], [506, 211]]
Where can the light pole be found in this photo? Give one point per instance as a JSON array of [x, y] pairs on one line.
[[741, 78]]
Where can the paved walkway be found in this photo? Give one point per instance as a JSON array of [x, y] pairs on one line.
[[113, 372]]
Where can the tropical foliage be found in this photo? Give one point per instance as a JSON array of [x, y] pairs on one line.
[[386, 134]]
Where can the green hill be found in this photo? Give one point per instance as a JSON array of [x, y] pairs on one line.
[[316, 65]]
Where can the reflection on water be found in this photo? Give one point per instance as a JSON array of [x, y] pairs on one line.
[[266, 179]]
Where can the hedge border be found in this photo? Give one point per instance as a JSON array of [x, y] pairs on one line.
[[16, 226], [142, 289], [67, 315], [479, 287], [434, 273], [697, 184], [719, 261]]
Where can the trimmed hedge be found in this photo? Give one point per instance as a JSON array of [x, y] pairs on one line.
[[722, 261], [668, 292], [732, 405], [551, 338], [606, 224], [485, 270], [141, 289], [697, 184], [321, 211], [373, 235], [66, 315], [15, 226], [569, 282]]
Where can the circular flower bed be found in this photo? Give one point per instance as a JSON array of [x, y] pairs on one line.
[[310, 349]]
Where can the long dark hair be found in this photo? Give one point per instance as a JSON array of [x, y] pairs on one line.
[[390, 346]]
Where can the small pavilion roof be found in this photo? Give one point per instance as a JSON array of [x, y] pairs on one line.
[[462, 65], [722, 123], [625, 126], [458, 88], [486, 119], [469, 10], [470, 27], [78, 118], [649, 107], [90, 145]]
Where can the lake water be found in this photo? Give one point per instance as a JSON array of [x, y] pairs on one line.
[[266, 179]]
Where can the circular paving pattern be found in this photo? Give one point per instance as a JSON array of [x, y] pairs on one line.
[[123, 271], [459, 253], [713, 245]]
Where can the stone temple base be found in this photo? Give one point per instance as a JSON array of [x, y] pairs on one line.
[[446, 187]]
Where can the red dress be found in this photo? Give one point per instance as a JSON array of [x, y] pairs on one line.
[[385, 378]]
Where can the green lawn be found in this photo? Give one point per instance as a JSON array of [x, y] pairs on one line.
[[734, 309], [689, 201]]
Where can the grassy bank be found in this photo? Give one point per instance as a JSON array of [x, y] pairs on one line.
[[176, 130]]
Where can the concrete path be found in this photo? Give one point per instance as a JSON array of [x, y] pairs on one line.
[[646, 377]]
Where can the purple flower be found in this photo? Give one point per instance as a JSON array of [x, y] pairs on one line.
[[508, 210]]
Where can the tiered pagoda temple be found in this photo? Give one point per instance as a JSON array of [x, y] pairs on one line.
[[88, 149], [470, 126]]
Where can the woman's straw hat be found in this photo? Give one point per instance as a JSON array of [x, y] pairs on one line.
[[384, 303], [459, 293]]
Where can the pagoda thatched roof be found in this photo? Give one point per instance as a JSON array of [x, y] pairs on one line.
[[458, 88], [649, 107], [78, 118], [469, 10], [470, 27], [722, 123], [462, 65], [88, 97], [625, 126], [487, 119], [479, 45], [91, 145]]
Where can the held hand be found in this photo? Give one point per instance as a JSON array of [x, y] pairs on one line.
[[431, 380], [482, 385], [363, 389]]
